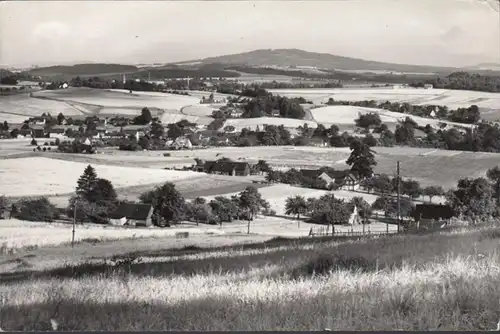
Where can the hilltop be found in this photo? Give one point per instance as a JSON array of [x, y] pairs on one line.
[[82, 69], [296, 57]]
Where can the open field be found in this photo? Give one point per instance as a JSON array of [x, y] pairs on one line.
[[194, 186], [198, 110], [37, 176], [428, 166], [15, 146], [253, 123], [18, 234], [48, 257], [451, 98], [113, 99], [404, 282], [18, 108], [348, 114]]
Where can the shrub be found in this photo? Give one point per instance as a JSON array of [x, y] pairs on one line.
[[39, 209], [45, 144], [34, 142], [44, 149]]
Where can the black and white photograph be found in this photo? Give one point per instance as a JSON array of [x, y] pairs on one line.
[[250, 165]]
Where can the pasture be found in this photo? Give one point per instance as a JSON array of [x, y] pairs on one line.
[[451, 98], [18, 108], [116, 99], [16, 146], [323, 283], [36, 176], [18, 234], [195, 186], [198, 110], [428, 166]]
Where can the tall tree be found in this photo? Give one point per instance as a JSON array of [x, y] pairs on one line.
[[362, 159], [296, 206], [86, 183], [251, 200], [103, 192], [169, 204]]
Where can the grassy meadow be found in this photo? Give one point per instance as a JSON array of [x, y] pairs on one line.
[[448, 280]]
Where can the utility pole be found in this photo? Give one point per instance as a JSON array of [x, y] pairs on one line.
[[74, 223], [399, 208]]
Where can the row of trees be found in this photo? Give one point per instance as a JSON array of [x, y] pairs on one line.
[[170, 206], [327, 209]]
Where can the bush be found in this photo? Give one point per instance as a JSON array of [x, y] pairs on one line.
[[34, 142], [39, 209], [44, 149], [45, 144]]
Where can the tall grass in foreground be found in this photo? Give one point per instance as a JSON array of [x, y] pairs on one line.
[[457, 289]]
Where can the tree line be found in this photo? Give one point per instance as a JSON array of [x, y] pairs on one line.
[[463, 81]]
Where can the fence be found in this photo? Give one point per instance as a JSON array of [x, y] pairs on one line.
[[327, 231]]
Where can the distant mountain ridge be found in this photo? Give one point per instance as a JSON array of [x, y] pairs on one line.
[[296, 57], [279, 58], [83, 69]]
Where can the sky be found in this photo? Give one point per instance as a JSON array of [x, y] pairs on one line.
[[423, 32]]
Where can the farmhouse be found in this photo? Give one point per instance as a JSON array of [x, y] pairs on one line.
[[38, 131], [345, 179], [132, 214], [227, 168]]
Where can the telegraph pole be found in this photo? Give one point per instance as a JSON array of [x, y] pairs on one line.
[[74, 223], [399, 208]]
